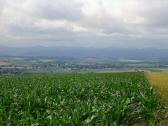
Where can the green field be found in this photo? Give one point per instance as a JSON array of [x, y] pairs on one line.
[[78, 99]]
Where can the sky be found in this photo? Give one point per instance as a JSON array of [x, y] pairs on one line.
[[84, 23]]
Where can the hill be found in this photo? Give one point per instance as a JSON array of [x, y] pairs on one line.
[[77, 52]]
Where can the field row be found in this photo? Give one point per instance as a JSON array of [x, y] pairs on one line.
[[78, 99]]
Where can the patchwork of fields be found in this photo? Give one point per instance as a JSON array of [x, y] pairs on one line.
[[78, 99]]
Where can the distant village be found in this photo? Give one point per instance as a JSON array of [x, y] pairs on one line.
[[19, 65], [12, 69]]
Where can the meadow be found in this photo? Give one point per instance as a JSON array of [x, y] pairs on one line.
[[78, 99]]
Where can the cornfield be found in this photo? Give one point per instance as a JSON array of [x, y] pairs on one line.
[[78, 99]]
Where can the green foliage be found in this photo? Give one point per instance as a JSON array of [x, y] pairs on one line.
[[77, 99]]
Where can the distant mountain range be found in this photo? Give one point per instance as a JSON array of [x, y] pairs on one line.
[[75, 52]]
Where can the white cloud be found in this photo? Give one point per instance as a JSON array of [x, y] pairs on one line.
[[131, 23]]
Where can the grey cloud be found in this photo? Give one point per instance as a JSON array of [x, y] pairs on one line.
[[155, 12], [34, 22], [58, 9], [105, 24], [2, 3]]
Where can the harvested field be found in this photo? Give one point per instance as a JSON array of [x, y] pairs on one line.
[[159, 80]]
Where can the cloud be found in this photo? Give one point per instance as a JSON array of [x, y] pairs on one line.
[[57, 9], [98, 23], [129, 17]]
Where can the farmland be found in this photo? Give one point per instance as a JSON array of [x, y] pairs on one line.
[[18, 64], [159, 80], [78, 99]]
